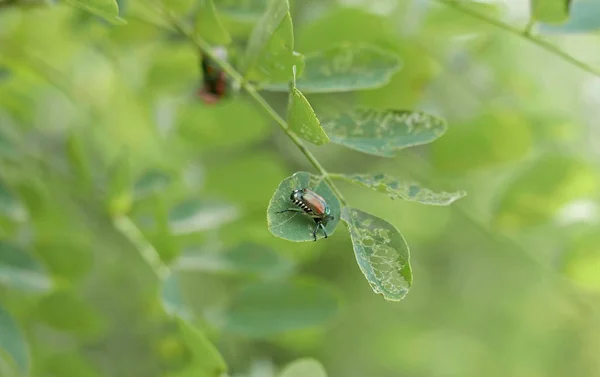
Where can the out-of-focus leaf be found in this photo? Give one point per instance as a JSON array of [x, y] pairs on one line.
[[582, 261], [297, 226], [269, 308], [538, 191], [10, 206], [381, 253], [305, 367], [107, 9], [120, 187], [194, 215], [209, 26], [70, 364], [490, 139], [151, 182], [550, 11], [172, 297], [78, 158], [206, 359], [174, 68], [245, 258], [382, 133], [19, 270], [344, 68], [13, 342], [302, 119], [405, 190], [584, 18], [270, 53]]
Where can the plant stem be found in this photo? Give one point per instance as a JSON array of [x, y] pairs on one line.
[[236, 76], [523, 34]]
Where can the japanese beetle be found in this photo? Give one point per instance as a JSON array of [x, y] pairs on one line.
[[214, 84], [313, 205]]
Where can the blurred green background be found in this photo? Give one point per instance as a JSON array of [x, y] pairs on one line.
[[101, 119]]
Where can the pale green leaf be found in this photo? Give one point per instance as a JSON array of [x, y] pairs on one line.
[[584, 18], [381, 253], [582, 261], [550, 11], [13, 342], [296, 226], [194, 215], [269, 308], [206, 361], [107, 9], [245, 259], [302, 119], [405, 190], [270, 53], [382, 133], [305, 367], [172, 297], [344, 68], [10, 206], [19, 270], [151, 182], [209, 26]]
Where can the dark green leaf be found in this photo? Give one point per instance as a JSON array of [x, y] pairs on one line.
[[584, 18], [209, 26], [107, 9], [13, 342], [381, 253], [305, 367], [302, 119], [345, 68], [382, 133], [246, 258], [206, 359], [405, 190], [270, 53], [296, 226], [194, 215], [550, 11], [19, 270], [268, 308]]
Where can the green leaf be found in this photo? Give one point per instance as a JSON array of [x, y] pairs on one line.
[[584, 18], [10, 206], [550, 11], [405, 190], [302, 119], [538, 191], [382, 133], [209, 26], [305, 367], [150, 183], [194, 215], [172, 297], [245, 258], [345, 68], [206, 359], [381, 253], [270, 53], [19, 270], [64, 310], [296, 226], [268, 308], [120, 188], [13, 342], [108, 9], [582, 262]]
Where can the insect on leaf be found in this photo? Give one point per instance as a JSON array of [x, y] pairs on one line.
[[381, 253], [297, 226], [302, 118], [382, 133], [405, 190]]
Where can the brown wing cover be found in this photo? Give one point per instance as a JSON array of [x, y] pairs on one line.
[[314, 201]]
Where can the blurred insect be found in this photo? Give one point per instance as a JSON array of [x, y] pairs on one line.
[[314, 206], [214, 81]]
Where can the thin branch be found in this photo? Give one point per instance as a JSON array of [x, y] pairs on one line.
[[236, 76], [523, 34]]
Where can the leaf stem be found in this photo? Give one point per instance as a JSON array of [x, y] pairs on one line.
[[249, 88], [523, 34]]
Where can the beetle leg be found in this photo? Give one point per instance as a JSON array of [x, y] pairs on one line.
[[315, 231], [290, 210], [323, 227]]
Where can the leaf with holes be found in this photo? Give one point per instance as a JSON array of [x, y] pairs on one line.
[[107, 9], [297, 226], [13, 342], [344, 68], [405, 190], [302, 118], [270, 53], [381, 253], [209, 26], [550, 11], [382, 133], [19, 270]]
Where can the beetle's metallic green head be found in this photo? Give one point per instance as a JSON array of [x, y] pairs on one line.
[[296, 194]]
